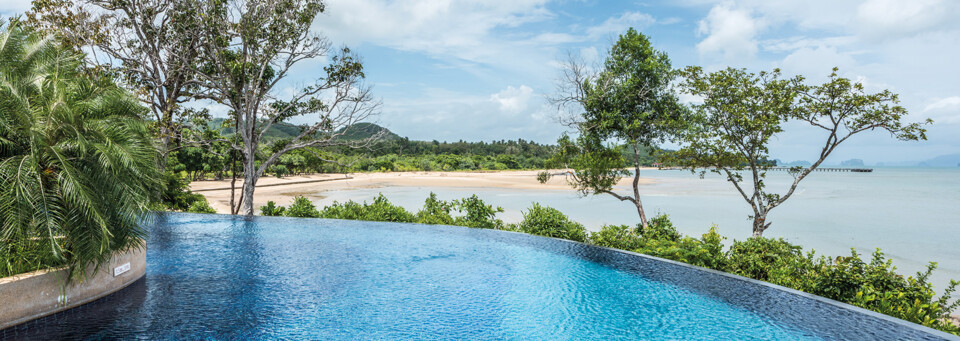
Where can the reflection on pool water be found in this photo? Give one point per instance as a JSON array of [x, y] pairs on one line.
[[224, 277]]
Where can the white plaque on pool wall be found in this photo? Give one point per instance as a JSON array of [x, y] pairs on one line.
[[117, 271]]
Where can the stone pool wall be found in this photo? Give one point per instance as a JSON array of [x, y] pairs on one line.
[[32, 295]]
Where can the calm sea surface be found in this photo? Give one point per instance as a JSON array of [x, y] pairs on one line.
[[912, 214]]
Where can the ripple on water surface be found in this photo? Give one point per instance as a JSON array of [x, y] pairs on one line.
[[224, 277]]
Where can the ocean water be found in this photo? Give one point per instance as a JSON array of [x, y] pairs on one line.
[[912, 214], [221, 277]]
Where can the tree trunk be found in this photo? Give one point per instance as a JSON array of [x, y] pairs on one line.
[[760, 224], [636, 186], [249, 185], [643, 216], [164, 150], [234, 207]]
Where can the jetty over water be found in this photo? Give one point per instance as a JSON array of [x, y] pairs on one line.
[[818, 169], [831, 169]]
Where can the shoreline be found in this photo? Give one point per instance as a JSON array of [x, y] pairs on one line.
[[283, 190]]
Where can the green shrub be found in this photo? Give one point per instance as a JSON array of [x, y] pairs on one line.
[[349, 210], [757, 257], [302, 208], [705, 252], [617, 236], [380, 210], [477, 214], [201, 206], [661, 228], [23, 255], [917, 303], [875, 286], [271, 209], [435, 212], [176, 195], [549, 222], [280, 171]]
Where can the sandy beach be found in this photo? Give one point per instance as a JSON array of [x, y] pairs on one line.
[[283, 190]]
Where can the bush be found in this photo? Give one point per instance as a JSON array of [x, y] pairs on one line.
[[23, 255], [617, 236], [280, 171], [176, 195], [435, 212], [302, 208], [201, 206], [271, 209], [477, 214], [757, 257], [704, 252], [875, 286], [380, 210], [549, 222], [660, 228]]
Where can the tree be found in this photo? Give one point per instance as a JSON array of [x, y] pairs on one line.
[[250, 47], [629, 101], [153, 44], [77, 161], [741, 112]]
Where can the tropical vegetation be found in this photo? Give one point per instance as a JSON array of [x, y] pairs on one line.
[[78, 163], [627, 106]]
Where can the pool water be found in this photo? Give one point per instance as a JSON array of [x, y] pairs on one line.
[[225, 277]]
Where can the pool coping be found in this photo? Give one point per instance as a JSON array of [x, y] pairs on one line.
[[33, 295]]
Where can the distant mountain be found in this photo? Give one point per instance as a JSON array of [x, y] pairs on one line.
[[801, 163], [852, 163], [951, 160], [283, 130]]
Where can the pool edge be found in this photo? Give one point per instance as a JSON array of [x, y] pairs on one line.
[[37, 294], [818, 298]]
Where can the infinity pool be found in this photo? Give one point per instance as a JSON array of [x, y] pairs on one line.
[[225, 277]]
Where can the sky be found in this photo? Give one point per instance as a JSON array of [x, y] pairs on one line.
[[482, 69]]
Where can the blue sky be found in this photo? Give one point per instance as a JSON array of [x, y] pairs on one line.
[[481, 69]]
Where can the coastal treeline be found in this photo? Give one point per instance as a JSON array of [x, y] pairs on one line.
[[198, 163], [871, 283]]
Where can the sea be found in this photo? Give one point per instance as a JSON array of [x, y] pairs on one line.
[[912, 214]]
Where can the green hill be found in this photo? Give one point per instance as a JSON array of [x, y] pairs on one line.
[[282, 130], [365, 130]]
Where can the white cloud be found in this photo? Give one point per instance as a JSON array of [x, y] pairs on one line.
[[886, 19], [816, 63], [461, 29], [944, 111], [730, 32], [952, 102], [620, 24], [513, 100], [781, 45], [590, 55], [451, 116]]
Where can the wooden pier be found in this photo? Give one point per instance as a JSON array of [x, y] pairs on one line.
[[818, 169], [831, 169]]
